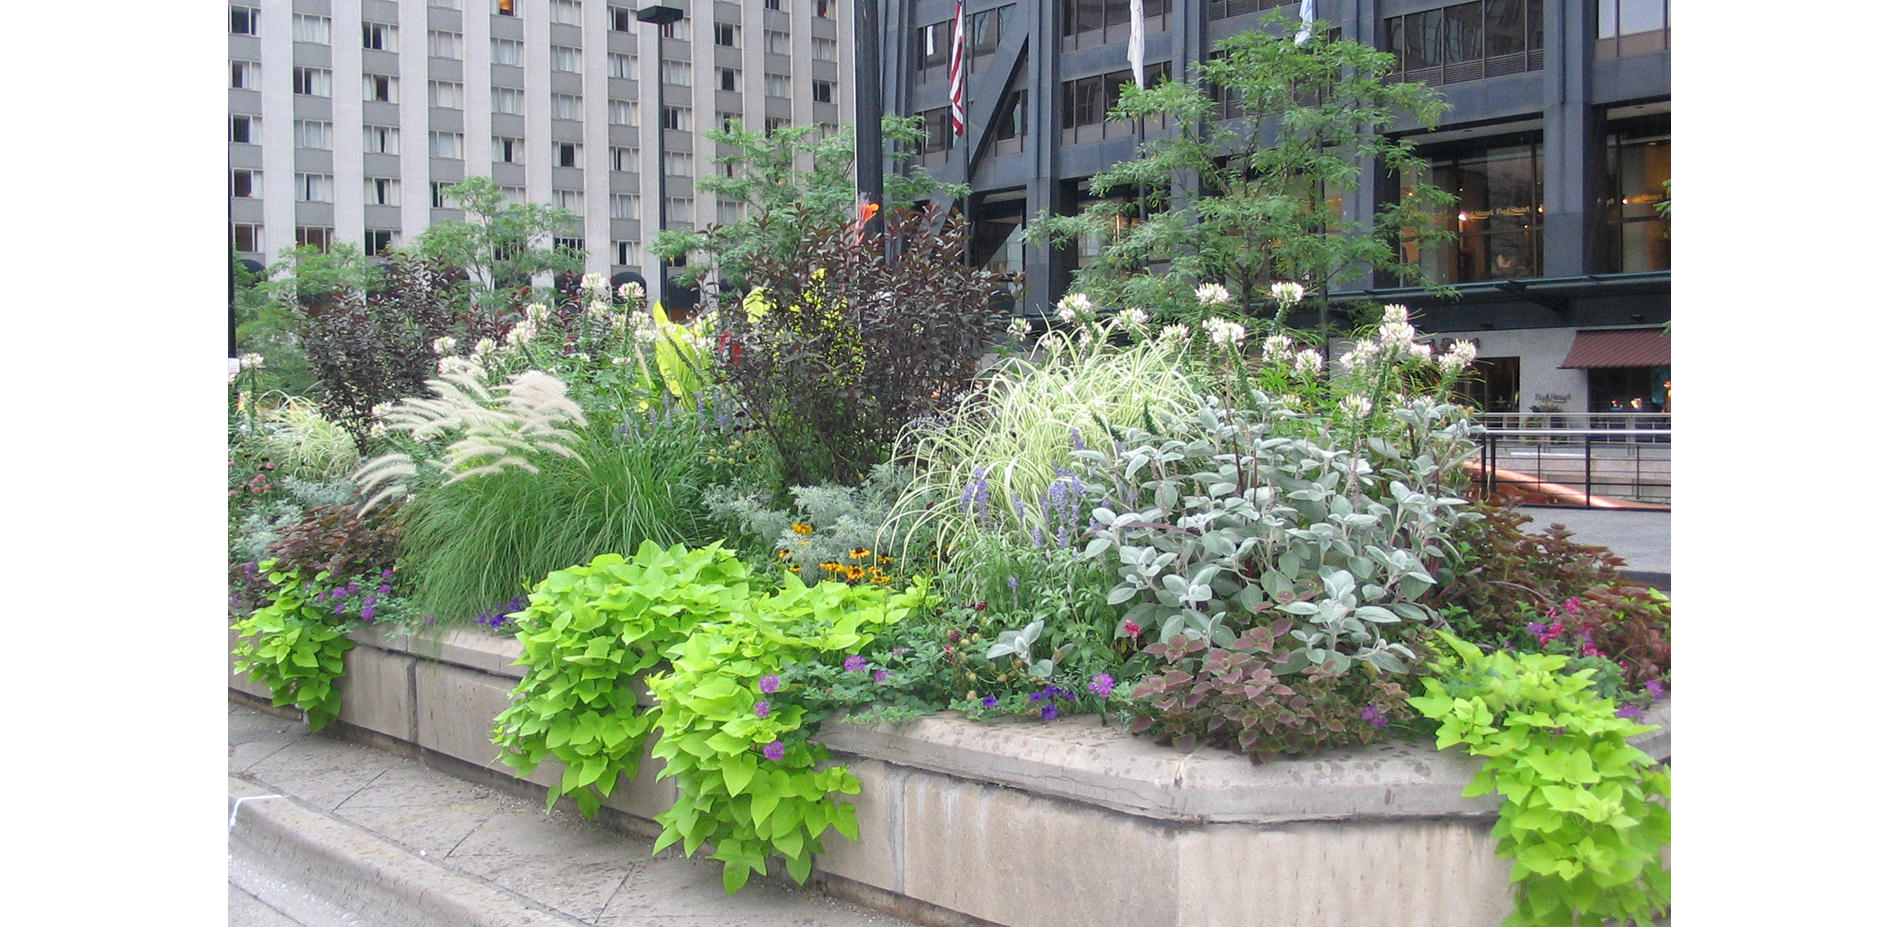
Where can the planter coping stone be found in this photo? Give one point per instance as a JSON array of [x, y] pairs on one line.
[[1084, 760]]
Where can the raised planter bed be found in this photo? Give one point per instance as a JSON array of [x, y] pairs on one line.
[[1046, 824]]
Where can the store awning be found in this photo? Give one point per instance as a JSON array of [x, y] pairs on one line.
[[1627, 347]]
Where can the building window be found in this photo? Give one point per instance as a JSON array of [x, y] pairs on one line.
[[447, 4], [445, 94], [315, 188], [244, 20], [306, 28], [244, 130], [933, 45], [620, 19], [569, 200], [514, 196], [245, 183], [445, 145], [778, 43], [622, 113], [445, 44], [381, 140], [567, 154], [506, 51], [248, 238], [1225, 9], [775, 123], [379, 88], [677, 118], [1087, 22], [1632, 27], [575, 245], [1638, 162], [1467, 41], [1012, 121], [439, 193], [822, 90], [565, 106], [773, 5], [824, 49], [506, 100], [679, 210], [315, 236], [565, 12], [624, 254], [677, 29], [727, 212], [381, 191], [677, 73], [824, 9], [621, 158], [729, 79], [1498, 219], [379, 36], [377, 241], [986, 29], [726, 34], [677, 163], [778, 85], [504, 7], [246, 75], [314, 82], [621, 65], [623, 206], [312, 133], [508, 150], [936, 130], [565, 58]]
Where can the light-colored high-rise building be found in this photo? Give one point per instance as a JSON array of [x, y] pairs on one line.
[[350, 117]]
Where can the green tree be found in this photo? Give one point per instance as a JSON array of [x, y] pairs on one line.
[[776, 173], [501, 246], [1243, 187], [267, 328]]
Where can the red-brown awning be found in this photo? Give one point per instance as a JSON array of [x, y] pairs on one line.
[[1627, 347]]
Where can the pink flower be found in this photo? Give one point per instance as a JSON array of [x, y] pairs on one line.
[[1131, 629], [1571, 606]]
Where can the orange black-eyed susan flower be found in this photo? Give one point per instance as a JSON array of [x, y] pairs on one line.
[[795, 568], [854, 572], [782, 554], [832, 566], [859, 553], [801, 528], [883, 558]]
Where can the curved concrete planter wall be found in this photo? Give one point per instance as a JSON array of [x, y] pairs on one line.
[[1050, 824]]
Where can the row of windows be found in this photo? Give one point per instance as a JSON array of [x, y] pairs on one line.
[[381, 88], [981, 35], [1467, 41], [1084, 16]]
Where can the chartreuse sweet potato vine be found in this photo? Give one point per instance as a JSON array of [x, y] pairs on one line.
[[292, 646], [1583, 817], [749, 777]]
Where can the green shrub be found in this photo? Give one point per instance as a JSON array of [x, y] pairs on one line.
[[292, 646], [1584, 818]]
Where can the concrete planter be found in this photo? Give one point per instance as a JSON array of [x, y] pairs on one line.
[[1047, 824]]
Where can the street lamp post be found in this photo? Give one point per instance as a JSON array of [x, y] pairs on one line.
[[660, 16]]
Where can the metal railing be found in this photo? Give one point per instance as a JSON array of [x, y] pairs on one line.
[[1580, 467]]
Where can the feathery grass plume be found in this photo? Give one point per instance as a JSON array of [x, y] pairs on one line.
[[531, 419], [470, 544], [1012, 431]]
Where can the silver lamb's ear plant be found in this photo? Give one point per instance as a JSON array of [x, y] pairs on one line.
[[532, 417]]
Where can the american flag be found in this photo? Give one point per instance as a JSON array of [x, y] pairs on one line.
[[956, 73]]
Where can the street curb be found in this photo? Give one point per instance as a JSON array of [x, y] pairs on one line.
[[320, 863]]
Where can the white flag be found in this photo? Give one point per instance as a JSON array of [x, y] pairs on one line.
[[1138, 40], [1306, 23]]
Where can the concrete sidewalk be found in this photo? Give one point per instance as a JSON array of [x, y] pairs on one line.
[[324, 831], [1639, 537]]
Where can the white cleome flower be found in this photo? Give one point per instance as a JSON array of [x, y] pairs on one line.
[[484, 346], [1420, 351], [1308, 362], [631, 290], [1212, 294], [536, 313], [1073, 305], [1131, 320], [1222, 332], [443, 345], [1018, 327], [1173, 334], [1276, 348], [593, 283], [1458, 356], [1286, 292], [523, 333], [250, 361], [1356, 406]]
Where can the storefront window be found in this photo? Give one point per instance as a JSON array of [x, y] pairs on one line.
[[1638, 163], [1498, 217]]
